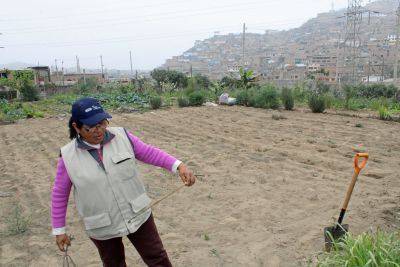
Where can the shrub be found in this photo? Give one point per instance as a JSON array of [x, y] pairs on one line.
[[329, 100], [183, 102], [287, 99], [266, 98], [242, 98], [316, 103], [155, 102], [29, 92], [367, 249], [349, 92], [197, 98], [300, 94]]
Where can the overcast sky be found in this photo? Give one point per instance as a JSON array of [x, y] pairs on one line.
[[38, 32]]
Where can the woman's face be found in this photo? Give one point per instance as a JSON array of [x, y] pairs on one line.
[[94, 134]]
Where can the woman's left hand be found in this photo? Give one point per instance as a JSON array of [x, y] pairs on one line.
[[186, 175]]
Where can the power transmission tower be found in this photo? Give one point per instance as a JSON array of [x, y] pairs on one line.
[[352, 42], [396, 52]]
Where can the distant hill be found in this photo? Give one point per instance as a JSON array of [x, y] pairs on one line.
[[222, 55], [16, 65]]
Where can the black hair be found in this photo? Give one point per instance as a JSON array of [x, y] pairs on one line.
[[72, 132]]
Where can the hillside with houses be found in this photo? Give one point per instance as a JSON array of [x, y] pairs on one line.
[[318, 49]]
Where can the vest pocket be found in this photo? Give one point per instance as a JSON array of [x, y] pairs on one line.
[[121, 157], [124, 165], [97, 221], [139, 203]]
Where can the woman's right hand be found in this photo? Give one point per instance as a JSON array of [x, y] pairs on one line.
[[62, 241]]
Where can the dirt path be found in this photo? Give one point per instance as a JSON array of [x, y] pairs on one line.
[[268, 190]]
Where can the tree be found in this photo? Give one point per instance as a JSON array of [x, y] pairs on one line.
[[23, 81], [160, 76], [246, 77], [230, 82], [201, 81], [86, 85], [179, 79]]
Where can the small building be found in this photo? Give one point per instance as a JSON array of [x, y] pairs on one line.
[[69, 79], [6, 92], [4, 74], [41, 75]]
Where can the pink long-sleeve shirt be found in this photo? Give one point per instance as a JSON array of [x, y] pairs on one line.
[[62, 184]]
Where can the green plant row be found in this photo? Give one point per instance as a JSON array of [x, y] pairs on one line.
[[379, 249]]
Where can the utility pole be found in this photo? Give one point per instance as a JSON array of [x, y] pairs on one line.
[[62, 72], [396, 52], [1, 46], [243, 45], [78, 67], [102, 72], [130, 57], [84, 77], [56, 70]]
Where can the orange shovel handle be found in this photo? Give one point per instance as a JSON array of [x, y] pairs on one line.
[[358, 166], [357, 170]]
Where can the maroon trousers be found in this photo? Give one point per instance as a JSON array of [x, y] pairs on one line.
[[146, 241]]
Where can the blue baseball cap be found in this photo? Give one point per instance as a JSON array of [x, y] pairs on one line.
[[88, 111]]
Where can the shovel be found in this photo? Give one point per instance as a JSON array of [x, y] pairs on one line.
[[337, 231]]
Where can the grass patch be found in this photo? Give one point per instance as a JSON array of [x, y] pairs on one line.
[[277, 116], [384, 113], [155, 102], [358, 125], [379, 249], [183, 102], [16, 222]]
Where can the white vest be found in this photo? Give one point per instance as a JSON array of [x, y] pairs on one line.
[[112, 202]]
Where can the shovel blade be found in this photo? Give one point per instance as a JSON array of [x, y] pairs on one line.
[[334, 233]]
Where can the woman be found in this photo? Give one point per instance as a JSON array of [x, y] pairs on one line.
[[99, 163]]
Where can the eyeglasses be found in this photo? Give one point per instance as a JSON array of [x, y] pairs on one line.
[[100, 126]]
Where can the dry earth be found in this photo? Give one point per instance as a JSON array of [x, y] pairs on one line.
[[268, 190]]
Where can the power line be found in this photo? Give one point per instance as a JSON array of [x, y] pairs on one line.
[[136, 38], [113, 8], [151, 17]]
